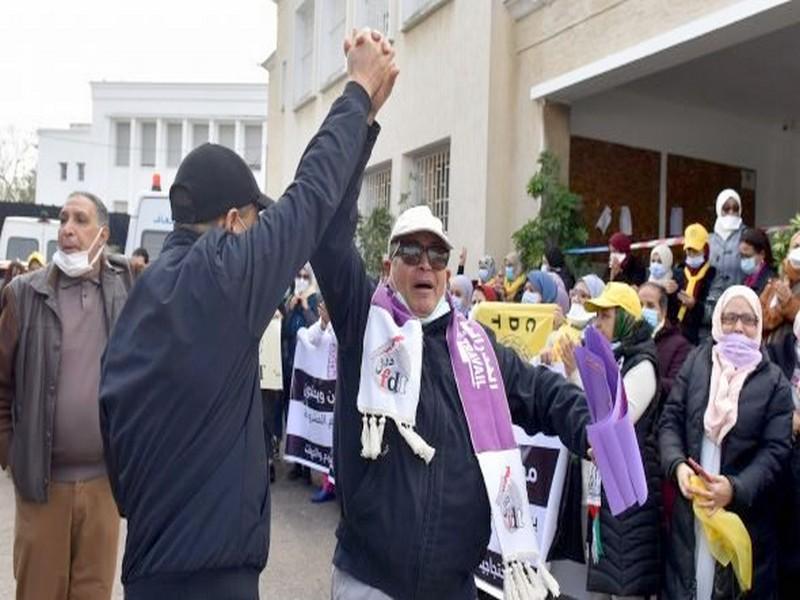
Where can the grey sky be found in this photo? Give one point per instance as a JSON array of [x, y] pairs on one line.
[[51, 49]]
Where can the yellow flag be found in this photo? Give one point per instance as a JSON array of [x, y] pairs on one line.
[[727, 537], [523, 327]]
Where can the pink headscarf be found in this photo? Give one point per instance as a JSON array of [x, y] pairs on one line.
[[727, 380]]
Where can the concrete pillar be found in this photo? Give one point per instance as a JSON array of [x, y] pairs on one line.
[[557, 134], [212, 131], [264, 149], [238, 137], [161, 145], [186, 132]]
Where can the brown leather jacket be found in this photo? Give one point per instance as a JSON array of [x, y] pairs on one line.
[[30, 347]]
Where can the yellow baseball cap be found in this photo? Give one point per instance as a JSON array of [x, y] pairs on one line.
[[617, 295], [695, 237]]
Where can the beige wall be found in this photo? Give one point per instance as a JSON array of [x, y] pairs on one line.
[[568, 34]]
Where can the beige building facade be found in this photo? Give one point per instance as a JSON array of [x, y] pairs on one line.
[[650, 105]]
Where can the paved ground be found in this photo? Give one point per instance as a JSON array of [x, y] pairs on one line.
[[302, 536]]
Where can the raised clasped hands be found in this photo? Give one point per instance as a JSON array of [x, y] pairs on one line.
[[370, 63]]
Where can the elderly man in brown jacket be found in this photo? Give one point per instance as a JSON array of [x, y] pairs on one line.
[[53, 331]]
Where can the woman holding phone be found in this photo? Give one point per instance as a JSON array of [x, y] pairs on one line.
[[730, 410]]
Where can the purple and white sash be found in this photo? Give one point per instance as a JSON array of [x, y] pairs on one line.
[[391, 371]]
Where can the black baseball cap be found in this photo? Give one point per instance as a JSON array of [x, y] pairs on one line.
[[210, 181]]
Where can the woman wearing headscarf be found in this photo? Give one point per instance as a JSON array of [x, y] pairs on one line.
[[562, 296], [624, 267], [724, 243], [694, 279], [486, 269], [554, 262], [625, 550], [731, 411], [540, 288], [514, 278], [661, 262], [461, 291], [780, 300], [786, 354], [300, 310], [755, 250]]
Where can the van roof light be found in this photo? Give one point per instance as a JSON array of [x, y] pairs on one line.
[[156, 187]]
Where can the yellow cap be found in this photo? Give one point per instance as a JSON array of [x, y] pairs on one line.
[[695, 237], [617, 295], [37, 256]]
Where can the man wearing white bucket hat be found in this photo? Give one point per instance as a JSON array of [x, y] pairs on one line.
[[424, 449]]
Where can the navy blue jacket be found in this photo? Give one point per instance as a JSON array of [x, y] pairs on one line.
[[180, 402], [412, 530]]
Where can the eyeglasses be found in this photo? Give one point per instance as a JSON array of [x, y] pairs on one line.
[[411, 254], [747, 319], [304, 276]]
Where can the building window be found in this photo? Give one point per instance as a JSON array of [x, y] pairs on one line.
[[123, 145], [332, 32], [373, 14], [432, 179], [62, 166], [415, 11], [199, 134], [226, 136], [148, 145], [174, 143], [252, 146], [81, 171], [376, 189], [303, 50]]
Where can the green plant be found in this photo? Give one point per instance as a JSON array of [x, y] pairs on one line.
[[559, 221], [780, 240], [373, 238]]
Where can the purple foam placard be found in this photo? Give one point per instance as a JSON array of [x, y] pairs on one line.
[[597, 343], [595, 383]]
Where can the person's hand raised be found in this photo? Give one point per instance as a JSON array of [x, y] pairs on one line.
[[370, 63]]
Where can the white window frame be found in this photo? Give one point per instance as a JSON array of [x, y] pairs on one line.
[[284, 85], [230, 129], [376, 188], [332, 30], [431, 178], [151, 126], [195, 125], [374, 14], [255, 165], [63, 170], [81, 170], [173, 155], [414, 12], [122, 154], [304, 52]]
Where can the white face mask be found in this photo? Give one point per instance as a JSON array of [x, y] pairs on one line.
[[531, 298], [730, 222], [619, 257], [77, 264], [545, 268], [300, 285], [794, 258]]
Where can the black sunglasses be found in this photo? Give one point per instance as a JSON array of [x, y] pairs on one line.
[[411, 254]]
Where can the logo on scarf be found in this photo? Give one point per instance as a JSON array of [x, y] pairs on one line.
[[510, 502], [392, 365]]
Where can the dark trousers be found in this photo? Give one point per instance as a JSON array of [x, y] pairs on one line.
[[270, 402]]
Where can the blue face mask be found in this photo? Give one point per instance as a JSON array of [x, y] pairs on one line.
[[650, 315], [483, 275], [531, 298], [510, 273], [749, 265], [695, 262], [657, 270]]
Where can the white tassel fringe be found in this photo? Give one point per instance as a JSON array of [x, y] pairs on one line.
[[523, 582], [419, 446]]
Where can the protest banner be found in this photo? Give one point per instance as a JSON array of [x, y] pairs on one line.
[[523, 327], [309, 426]]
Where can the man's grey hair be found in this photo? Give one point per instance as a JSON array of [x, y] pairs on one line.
[[100, 208]]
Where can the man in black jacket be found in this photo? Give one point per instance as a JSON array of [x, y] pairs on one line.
[[180, 401], [411, 529]]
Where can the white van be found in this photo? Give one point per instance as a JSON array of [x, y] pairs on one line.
[[23, 235], [150, 223]]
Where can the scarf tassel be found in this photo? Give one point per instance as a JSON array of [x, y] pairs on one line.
[[523, 582], [419, 446], [372, 436]]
